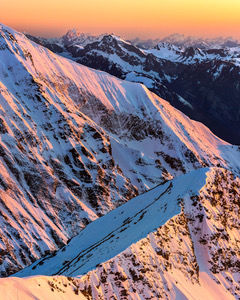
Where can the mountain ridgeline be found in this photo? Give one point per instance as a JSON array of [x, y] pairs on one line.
[[178, 241], [198, 77], [106, 187]]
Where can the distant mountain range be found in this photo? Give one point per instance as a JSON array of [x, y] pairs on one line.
[[75, 36], [198, 76], [182, 40]]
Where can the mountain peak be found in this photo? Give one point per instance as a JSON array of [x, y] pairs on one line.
[[76, 37]]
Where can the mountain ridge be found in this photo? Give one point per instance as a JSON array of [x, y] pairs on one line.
[[187, 237], [74, 145], [192, 79]]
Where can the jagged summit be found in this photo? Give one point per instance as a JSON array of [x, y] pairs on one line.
[[78, 38]]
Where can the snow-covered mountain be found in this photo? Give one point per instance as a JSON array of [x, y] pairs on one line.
[[75, 145], [75, 37], [64, 44], [166, 51], [176, 47], [178, 241], [181, 40], [193, 55], [201, 82]]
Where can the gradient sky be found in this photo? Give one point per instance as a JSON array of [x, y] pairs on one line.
[[129, 18]]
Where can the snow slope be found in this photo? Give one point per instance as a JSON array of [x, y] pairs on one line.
[[193, 255], [116, 231], [178, 240], [74, 145], [39, 287]]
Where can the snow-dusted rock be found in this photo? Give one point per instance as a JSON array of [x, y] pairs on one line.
[[198, 76], [76, 143], [180, 239]]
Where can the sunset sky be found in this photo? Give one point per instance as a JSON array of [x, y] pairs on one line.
[[129, 18]]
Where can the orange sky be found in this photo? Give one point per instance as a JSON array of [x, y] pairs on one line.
[[129, 18]]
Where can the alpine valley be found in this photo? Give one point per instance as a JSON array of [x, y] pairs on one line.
[[107, 191]]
